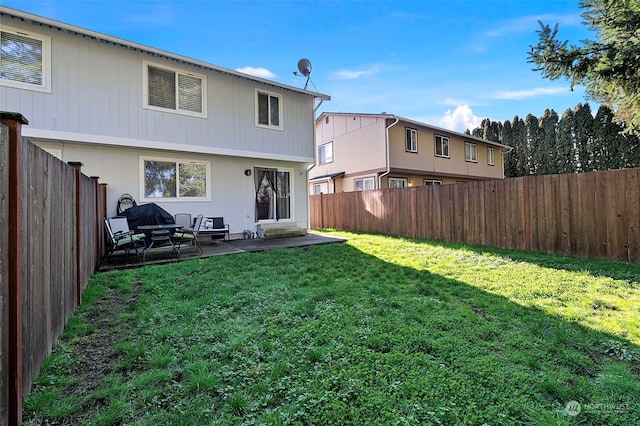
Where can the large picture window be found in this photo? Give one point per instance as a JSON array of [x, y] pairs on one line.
[[25, 60], [174, 90], [175, 180], [268, 110]]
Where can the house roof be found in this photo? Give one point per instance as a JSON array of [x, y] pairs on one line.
[[104, 38], [415, 123]]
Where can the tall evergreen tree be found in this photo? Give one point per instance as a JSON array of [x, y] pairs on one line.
[[534, 145], [547, 151], [510, 163], [566, 160], [584, 136]]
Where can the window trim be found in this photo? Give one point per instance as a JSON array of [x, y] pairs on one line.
[[320, 156], [448, 144], [280, 109], [367, 179], [413, 142], [46, 61], [473, 152], [145, 90], [491, 159], [320, 186], [405, 180], [177, 198], [433, 182]]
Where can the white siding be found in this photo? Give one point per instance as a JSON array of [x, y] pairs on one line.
[[97, 89]]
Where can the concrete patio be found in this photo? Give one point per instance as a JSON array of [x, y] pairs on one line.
[[211, 248]]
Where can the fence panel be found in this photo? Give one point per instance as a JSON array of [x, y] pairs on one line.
[[4, 276], [595, 215]]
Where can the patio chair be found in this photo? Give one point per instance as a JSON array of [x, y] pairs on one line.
[[189, 235], [183, 219], [121, 237]]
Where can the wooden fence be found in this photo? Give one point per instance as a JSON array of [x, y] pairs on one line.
[[51, 240], [594, 215]]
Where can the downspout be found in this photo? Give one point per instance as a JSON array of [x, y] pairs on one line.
[[312, 165], [387, 154]]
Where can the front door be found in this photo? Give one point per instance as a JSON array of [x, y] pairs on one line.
[[273, 194]]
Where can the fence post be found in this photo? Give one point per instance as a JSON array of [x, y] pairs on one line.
[[14, 122], [78, 168]]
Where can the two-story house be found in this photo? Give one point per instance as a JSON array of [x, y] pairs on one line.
[[372, 151], [187, 135]]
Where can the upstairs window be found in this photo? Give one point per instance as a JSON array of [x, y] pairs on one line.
[[411, 143], [168, 89], [268, 110], [325, 153], [490, 158], [25, 60], [471, 152], [442, 146]]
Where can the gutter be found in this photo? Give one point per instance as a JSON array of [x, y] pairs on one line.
[[387, 154]]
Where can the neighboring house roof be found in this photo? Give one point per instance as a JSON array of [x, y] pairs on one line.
[[103, 38], [329, 176], [416, 123]]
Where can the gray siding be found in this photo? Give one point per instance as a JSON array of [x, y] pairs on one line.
[[97, 89]]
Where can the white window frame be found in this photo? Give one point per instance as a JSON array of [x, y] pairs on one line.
[[491, 160], [411, 140], [46, 61], [320, 188], [365, 182], [404, 182], [323, 158], [177, 71], [444, 143], [280, 110], [177, 198], [470, 152], [432, 182], [292, 197]]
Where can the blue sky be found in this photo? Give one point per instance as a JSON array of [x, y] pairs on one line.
[[446, 63]]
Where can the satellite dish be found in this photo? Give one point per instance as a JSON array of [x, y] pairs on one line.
[[304, 66]]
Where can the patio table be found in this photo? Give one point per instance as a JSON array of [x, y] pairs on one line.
[[159, 235]]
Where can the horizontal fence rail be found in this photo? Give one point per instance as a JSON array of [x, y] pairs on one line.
[[592, 215], [51, 241]]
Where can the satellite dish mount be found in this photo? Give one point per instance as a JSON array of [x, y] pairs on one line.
[[304, 67]]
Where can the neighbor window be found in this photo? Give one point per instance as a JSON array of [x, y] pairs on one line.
[[397, 182], [363, 184], [325, 153], [411, 143], [442, 146], [471, 152], [25, 60], [268, 109], [432, 182], [490, 158], [320, 188], [169, 89], [175, 180]]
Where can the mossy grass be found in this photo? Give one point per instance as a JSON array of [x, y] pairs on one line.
[[377, 330]]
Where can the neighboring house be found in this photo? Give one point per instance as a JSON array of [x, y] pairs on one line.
[[372, 151], [184, 134]]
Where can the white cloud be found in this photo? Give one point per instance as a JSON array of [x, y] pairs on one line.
[[526, 23], [530, 93], [355, 74], [460, 119], [257, 72]]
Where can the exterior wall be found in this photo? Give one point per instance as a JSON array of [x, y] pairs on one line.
[[232, 193], [358, 147], [426, 160], [97, 90]]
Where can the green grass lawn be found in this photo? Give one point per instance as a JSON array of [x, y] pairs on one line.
[[377, 330]]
